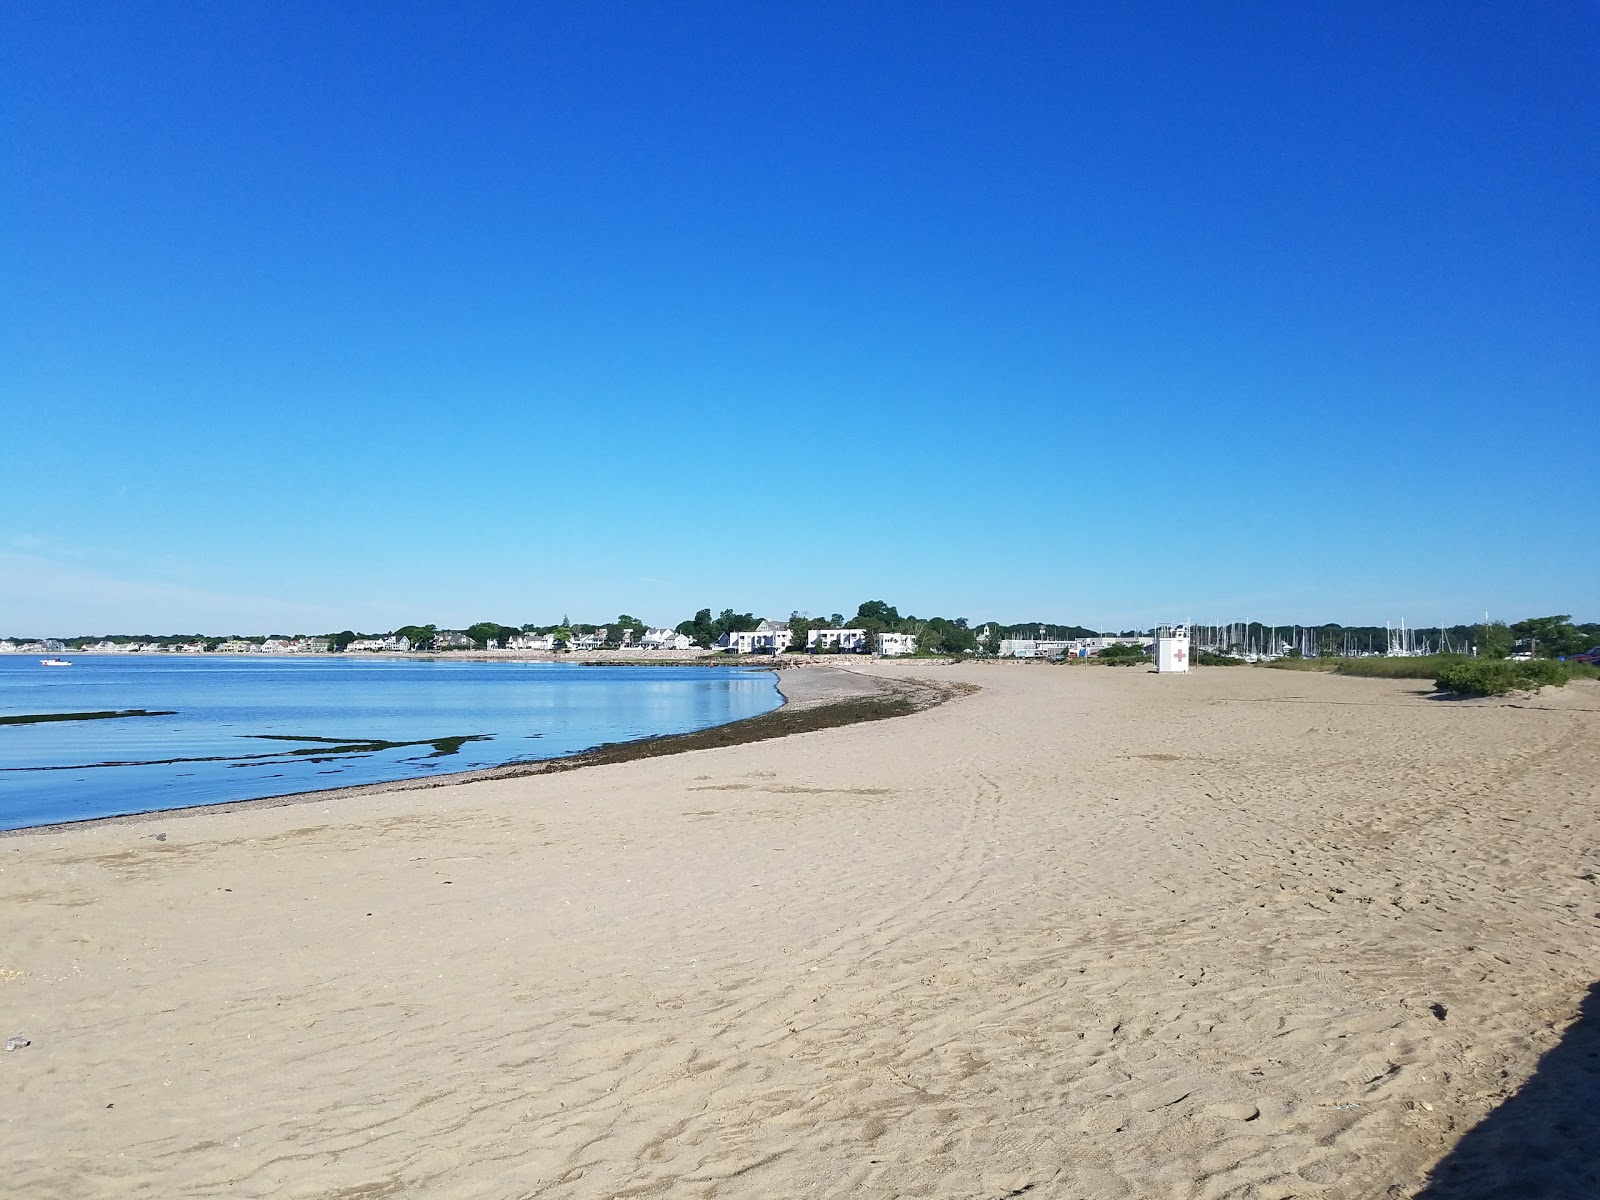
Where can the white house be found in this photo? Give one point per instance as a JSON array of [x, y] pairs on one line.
[[531, 641], [846, 641], [890, 644], [394, 645], [766, 638], [591, 641], [8, 647], [665, 639]]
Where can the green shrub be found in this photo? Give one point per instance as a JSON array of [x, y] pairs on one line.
[[1303, 664], [1209, 658], [1123, 654], [1499, 677], [1372, 667], [1420, 667]]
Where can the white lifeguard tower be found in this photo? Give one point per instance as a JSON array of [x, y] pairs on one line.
[[1172, 650]]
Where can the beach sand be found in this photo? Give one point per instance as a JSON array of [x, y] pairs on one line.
[[1085, 932]]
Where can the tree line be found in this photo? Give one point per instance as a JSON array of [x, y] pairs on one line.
[[1553, 636]]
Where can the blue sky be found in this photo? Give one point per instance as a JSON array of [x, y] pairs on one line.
[[322, 316]]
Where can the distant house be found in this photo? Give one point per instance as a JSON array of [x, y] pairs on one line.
[[104, 646], [531, 641], [380, 645], [766, 638], [200, 647], [847, 641], [665, 639], [236, 646], [591, 641], [8, 647], [450, 640], [54, 646], [891, 644]]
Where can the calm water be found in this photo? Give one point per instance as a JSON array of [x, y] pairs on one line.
[[243, 728]]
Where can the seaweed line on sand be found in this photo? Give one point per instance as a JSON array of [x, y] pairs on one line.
[[892, 698]]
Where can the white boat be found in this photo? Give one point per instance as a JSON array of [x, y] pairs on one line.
[[55, 662]]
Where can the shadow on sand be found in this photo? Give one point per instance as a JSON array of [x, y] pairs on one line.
[[1542, 1143]]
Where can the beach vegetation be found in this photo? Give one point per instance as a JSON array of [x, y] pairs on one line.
[[1422, 666], [1450, 672], [1123, 654], [1209, 658], [1500, 677]]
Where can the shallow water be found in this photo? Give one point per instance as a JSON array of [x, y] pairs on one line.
[[243, 727]]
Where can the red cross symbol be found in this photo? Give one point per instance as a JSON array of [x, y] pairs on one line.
[[1179, 654]]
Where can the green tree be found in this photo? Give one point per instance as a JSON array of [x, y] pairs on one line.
[[1494, 639], [1551, 637], [697, 627], [1124, 652], [885, 617], [420, 636], [484, 632], [942, 636], [799, 627], [338, 643]]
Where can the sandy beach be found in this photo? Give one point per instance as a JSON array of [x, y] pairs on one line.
[[1083, 932]]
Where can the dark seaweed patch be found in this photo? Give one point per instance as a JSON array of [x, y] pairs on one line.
[[328, 750], [41, 718]]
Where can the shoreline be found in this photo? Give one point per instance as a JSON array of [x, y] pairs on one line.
[[808, 705]]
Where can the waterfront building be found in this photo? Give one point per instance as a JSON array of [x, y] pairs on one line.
[[769, 637], [665, 639], [846, 641], [892, 644]]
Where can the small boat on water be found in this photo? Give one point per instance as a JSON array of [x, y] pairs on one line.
[[55, 662]]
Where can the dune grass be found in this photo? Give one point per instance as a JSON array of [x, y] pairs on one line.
[[1454, 673], [1421, 667]]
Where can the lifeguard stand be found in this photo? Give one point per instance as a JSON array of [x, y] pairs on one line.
[[1172, 650]]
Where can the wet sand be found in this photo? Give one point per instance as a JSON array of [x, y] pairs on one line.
[[1085, 932]]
